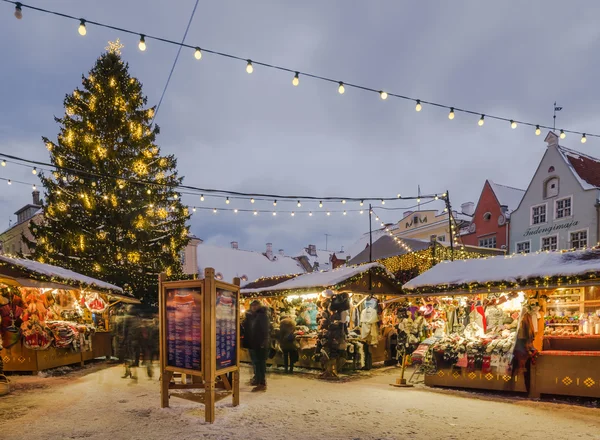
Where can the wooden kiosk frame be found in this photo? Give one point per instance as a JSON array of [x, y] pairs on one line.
[[208, 375]]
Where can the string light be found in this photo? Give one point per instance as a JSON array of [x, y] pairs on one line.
[[251, 200], [227, 200], [249, 67], [320, 204], [343, 202], [383, 95], [18, 11], [142, 43], [3, 163], [583, 139], [194, 209], [34, 171], [255, 212], [362, 202], [341, 88], [399, 195], [481, 121], [382, 202], [235, 210], [274, 202], [274, 213], [293, 213], [34, 187], [299, 204], [328, 213], [344, 212], [296, 80], [310, 214], [562, 134], [361, 211], [537, 130], [451, 114], [82, 29], [198, 53], [9, 182], [214, 210], [202, 197], [513, 124]]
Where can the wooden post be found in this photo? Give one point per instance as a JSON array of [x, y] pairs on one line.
[[209, 342], [165, 377], [401, 381], [235, 377]]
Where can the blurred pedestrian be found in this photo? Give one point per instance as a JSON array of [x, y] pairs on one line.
[[288, 343], [131, 342], [257, 334]]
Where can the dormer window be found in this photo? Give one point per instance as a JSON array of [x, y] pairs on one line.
[[551, 187], [487, 216]]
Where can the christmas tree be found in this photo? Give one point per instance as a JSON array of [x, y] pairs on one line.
[[111, 207]]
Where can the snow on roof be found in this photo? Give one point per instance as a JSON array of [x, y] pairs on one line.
[[507, 195], [585, 168], [386, 247], [510, 269], [59, 273], [320, 280], [232, 263], [323, 257]]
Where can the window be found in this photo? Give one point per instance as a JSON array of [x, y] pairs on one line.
[[563, 208], [550, 243], [524, 247], [538, 214], [441, 238], [487, 216], [551, 187], [488, 242], [578, 239]]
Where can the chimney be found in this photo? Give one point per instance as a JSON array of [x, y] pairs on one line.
[[270, 251], [468, 208], [552, 139], [312, 250], [407, 213], [36, 197], [234, 245], [281, 252]]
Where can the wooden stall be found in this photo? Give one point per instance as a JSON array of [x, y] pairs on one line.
[[369, 282], [559, 291], [53, 317]]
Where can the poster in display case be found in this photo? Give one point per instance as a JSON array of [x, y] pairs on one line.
[[227, 328], [184, 328]]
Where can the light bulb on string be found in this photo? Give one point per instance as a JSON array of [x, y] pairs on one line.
[[383, 95], [149, 192], [583, 139], [537, 130], [344, 212], [194, 209], [214, 210], [34, 171], [202, 197], [274, 213], [362, 212], [252, 200], [175, 196], [310, 214], [399, 195], [382, 202], [320, 204], [3, 163], [377, 218], [142, 43], [362, 202], [341, 88], [274, 202], [235, 211], [418, 106], [198, 53], [343, 202], [299, 204], [293, 213], [82, 29], [227, 200], [296, 80], [328, 213], [563, 134], [18, 11], [418, 200], [34, 187], [451, 114], [9, 182], [255, 212], [481, 120], [249, 67], [513, 124]]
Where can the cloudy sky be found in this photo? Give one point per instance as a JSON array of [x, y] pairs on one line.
[[258, 133]]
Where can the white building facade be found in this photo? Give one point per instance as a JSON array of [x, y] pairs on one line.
[[560, 207]]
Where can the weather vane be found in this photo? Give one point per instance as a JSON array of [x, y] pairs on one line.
[[556, 109], [114, 47]]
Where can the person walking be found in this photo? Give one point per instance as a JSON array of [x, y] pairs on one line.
[[288, 343], [131, 343], [257, 333]]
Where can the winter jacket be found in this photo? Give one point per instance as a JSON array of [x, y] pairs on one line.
[[245, 328], [286, 337], [257, 333]]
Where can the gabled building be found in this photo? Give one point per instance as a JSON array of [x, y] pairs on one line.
[[560, 208], [490, 224], [11, 240], [423, 224], [319, 259]]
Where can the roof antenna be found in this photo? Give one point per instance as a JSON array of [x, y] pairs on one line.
[[556, 109]]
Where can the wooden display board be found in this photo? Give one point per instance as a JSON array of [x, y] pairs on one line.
[[200, 337]]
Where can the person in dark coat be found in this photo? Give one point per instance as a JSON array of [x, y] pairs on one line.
[[257, 340], [131, 342], [245, 336], [287, 342]]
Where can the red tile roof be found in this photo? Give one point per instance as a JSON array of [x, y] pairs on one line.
[[587, 167]]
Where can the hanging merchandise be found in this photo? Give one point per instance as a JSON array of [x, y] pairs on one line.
[[95, 303], [369, 318]]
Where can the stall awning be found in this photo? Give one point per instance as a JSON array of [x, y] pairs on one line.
[[27, 273], [353, 278], [539, 270]]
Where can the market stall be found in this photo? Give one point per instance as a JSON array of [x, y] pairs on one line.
[[530, 323], [51, 317], [339, 316]]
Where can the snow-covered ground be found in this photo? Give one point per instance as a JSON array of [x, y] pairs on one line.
[[95, 403]]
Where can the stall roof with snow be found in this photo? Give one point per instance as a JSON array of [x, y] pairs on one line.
[[521, 271], [28, 273], [353, 278], [386, 247]]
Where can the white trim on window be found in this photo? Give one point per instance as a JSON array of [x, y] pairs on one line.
[[587, 237], [549, 236], [523, 242], [570, 208], [531, 208]]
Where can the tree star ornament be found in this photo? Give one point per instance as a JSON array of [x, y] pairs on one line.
[[114, 47]]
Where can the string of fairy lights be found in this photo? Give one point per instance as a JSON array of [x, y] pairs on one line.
[[325, 203], [250, 63]]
